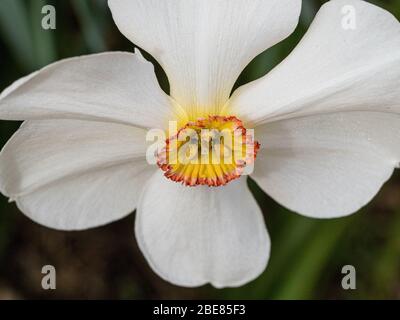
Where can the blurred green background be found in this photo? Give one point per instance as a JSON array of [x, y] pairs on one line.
[[307, 254]]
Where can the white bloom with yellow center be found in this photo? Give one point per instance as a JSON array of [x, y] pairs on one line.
[[327, 120]]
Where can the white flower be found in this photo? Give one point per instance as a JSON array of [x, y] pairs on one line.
[[327, 119]]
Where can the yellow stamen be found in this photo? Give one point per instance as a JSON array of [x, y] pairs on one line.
[[209, 151]]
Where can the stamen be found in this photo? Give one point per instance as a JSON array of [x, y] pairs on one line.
[[209, 151]]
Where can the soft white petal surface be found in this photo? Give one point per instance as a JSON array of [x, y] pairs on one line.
[[192, 236], [204, 45], [327, 165], [332, 69], [117, 87], [87, 200], [74, 174]]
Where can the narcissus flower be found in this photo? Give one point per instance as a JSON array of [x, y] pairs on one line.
[[326, 120]]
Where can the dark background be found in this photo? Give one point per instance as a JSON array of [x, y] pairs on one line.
[[307, 254]]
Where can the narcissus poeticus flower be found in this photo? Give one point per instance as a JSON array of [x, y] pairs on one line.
[[326, 120]]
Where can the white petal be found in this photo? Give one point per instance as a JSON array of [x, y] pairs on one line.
[[74, 174], [192, 236], [17, 84], [332, 69], [43, 151], [118, 87], [87, 200], [204, 45], [327, 165]]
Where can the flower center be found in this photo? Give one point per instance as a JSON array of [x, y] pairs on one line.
[[209, 151]]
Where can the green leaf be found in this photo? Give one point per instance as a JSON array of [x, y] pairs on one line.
[[385, 274], [90, 28], [15, 30], [305, 273], [44, 45]]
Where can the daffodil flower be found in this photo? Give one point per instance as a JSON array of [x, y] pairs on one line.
[[326, 120]]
